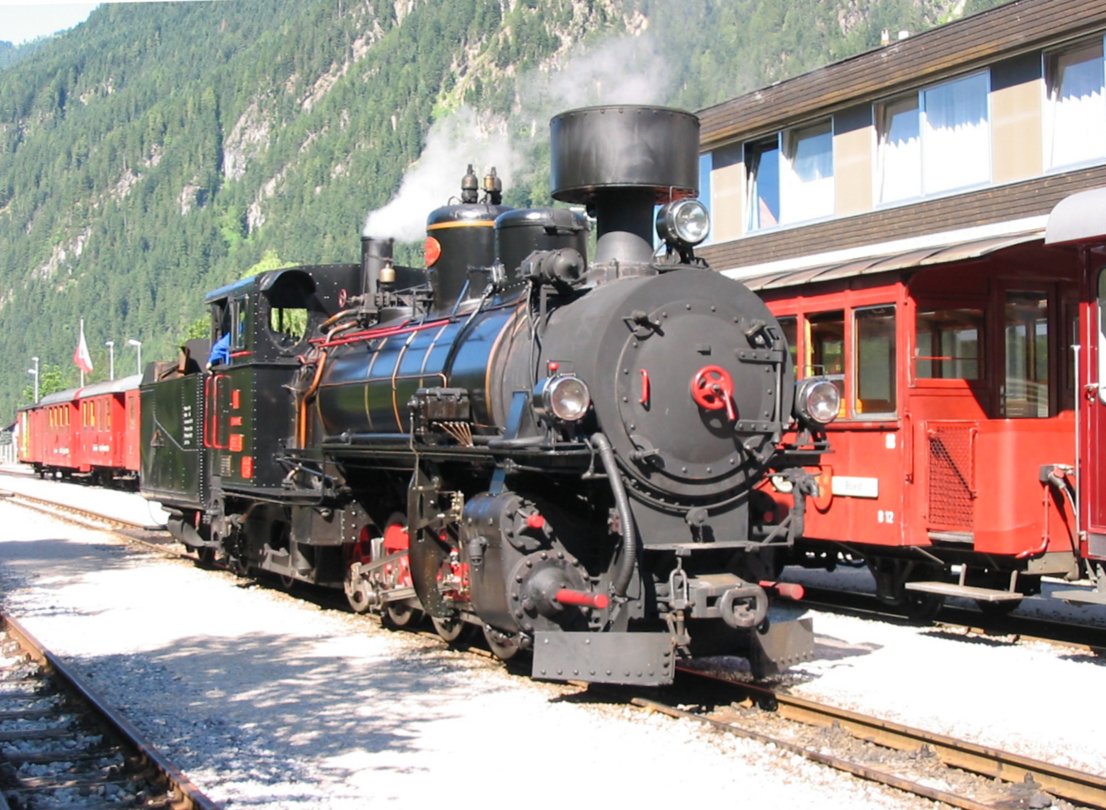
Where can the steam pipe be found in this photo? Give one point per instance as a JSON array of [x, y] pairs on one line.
[[624, 226], [621, 580]]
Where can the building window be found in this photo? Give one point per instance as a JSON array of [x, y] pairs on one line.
[[792, 183], [949, 344], [875, 361], [762, 172], [1075, 114], [899, 153], [935, 140], [706, 166], [806, 177]]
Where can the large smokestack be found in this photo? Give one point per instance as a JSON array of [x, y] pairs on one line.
[[621, 160]]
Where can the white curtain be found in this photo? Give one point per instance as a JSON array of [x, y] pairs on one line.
[[899, 151], [1076, 130], [806, 180], [956, 134]]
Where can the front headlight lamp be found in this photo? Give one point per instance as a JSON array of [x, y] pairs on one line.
[[565, 396], [817, 401], [683, 222]]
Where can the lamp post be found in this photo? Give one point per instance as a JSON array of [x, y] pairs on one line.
[[138, 345], [111, 358], [34, 371]]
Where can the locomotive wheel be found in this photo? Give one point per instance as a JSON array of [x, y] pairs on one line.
[[503, 646], [358, 590], [399, 614], [205, 557], [922, 607], [451, 628]]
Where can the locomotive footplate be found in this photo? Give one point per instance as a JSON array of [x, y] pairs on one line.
[[646, 659]]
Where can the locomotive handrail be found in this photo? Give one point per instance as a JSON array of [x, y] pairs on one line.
[[621, 579], [382, 332]]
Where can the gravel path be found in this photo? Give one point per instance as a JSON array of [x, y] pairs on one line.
[[268, 701]]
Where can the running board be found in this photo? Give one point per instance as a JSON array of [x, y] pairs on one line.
[[965, 591]]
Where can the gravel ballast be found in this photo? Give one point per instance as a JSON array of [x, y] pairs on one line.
[[270, 701]]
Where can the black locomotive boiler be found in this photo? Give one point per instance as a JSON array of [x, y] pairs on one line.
[[561, 452]]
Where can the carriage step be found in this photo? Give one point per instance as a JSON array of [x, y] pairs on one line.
[[965, 591]]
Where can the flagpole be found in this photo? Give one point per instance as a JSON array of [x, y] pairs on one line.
[[82, 343]]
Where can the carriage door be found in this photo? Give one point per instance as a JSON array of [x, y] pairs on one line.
[[1092, 417]]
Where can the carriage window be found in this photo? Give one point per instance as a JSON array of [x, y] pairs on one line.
[[949, 344], [875, 360], [1025, 391], [826, 347], [790, 328]]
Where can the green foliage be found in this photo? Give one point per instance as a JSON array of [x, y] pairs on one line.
[[158, 149], [50, 381], [268, 261]]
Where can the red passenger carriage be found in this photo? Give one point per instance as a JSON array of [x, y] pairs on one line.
[[967, 455], [90, 432]]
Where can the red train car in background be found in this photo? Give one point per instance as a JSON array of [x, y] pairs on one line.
[[969, 455], [89, 432]]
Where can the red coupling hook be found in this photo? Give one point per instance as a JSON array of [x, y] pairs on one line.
[[566, 596], [712, 389]]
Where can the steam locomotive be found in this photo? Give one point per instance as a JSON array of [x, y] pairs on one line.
[[560, 452]]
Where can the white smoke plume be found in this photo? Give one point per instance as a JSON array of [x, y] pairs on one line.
[[622, 70], [435, 178]]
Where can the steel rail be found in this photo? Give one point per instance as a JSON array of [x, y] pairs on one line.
[[877, 775], [186, 795], [1066, 783], [78, 513], [1090, 638]]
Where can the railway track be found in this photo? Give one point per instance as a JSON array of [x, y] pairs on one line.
[[934, 767], [1084, 636], [921, 763], [60, 746]]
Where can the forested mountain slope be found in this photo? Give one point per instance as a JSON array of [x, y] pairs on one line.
[[161, 149]]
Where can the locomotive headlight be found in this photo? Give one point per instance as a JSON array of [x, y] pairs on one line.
[[565, 396], [683, 222], [817, 401]]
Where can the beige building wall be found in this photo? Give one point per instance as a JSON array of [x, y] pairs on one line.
[[727, 184], [1017, 147], [852, 168]]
